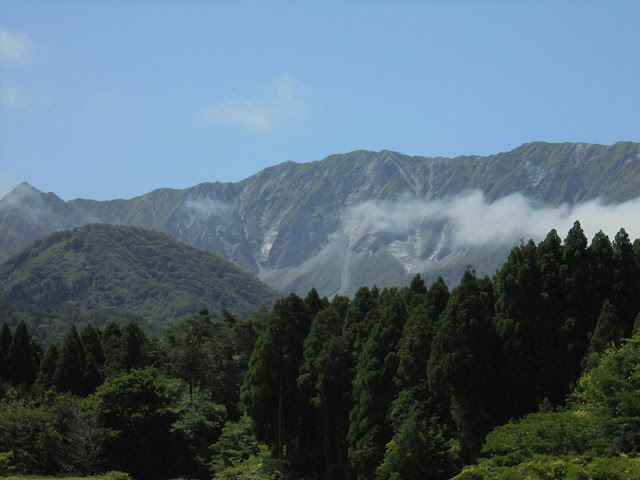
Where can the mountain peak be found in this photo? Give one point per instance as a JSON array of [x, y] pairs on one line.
[[24, 189]]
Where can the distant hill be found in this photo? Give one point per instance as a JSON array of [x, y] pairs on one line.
[[144, 272], [292, 224]]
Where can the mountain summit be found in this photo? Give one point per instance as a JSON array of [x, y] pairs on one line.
[[348, 220]]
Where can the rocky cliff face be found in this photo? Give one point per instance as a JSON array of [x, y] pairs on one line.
[[348, 220]]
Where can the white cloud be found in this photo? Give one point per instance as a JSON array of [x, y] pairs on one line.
[[12, 96], [280, 102], [15, 48], [207, 207], [475, 222]]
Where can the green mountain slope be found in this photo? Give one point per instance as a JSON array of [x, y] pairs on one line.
[[141, 271]]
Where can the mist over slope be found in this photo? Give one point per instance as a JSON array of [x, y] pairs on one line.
[[369, 217]]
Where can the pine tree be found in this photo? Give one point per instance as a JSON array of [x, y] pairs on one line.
[[600, 254], [626, 281], [419, 450], [92, 344], [552, 340], [325, 379], [437, 298], [464, 362], [410, 380], [113, 348], [134, 342], [188, 346], [71, 365], [44, 380], [373, 387], [22, 360], [518, 319], [580, 307], [609, 330], [5, 345], [270, 393]]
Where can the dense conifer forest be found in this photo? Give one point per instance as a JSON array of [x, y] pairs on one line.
[[534, 373]]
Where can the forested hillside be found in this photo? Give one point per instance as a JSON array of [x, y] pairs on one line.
[[530, 374], [145, 273]]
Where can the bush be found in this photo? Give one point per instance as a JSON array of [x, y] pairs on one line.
[[115, 475]]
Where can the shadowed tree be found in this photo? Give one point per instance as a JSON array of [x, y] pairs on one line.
[[5, 345], [373, 387], [23, 364], [325, 379], [464, 362], [626, 281], [609, 330], [70, 365], [270, 393]]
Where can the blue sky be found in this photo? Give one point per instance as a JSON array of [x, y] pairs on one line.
[[113, 99]]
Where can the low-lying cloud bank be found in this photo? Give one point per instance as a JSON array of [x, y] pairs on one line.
[[475, 222]]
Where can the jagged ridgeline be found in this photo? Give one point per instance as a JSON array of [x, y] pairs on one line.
[[131, 269], [350, 220]]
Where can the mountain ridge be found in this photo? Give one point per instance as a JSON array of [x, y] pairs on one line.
[[275, 222]]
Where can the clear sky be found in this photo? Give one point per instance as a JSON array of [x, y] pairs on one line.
[[111, 99]]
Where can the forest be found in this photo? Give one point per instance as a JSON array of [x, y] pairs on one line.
[[531, 374]]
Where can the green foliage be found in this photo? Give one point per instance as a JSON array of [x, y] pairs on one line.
[[373, 392], [136, 410], [114, 475], [270, 392], [598, 438], [29, 432], [23, 358], [144, 272], [257, 467], [198, 425], [71, 364], [464, 361], [235, 446], [325, 380], [612, 387], [557, 467], [80, 447], [418, 450], [6, 463]]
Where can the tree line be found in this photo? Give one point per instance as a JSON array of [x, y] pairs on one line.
[[390, 384]]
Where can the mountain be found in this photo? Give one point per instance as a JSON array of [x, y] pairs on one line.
[[348, 220], [136, 270]]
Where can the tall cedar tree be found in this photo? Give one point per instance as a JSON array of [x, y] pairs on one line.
[[464, 362], [187, 344], [414, 348], [609, 330], [23, 360], [44, 380], [5, 345], [71, 364], [518, 318], [550, 327], [373, 388], [270, 393], [626, 281], [580, 303], [94, 358], [325, 379]]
